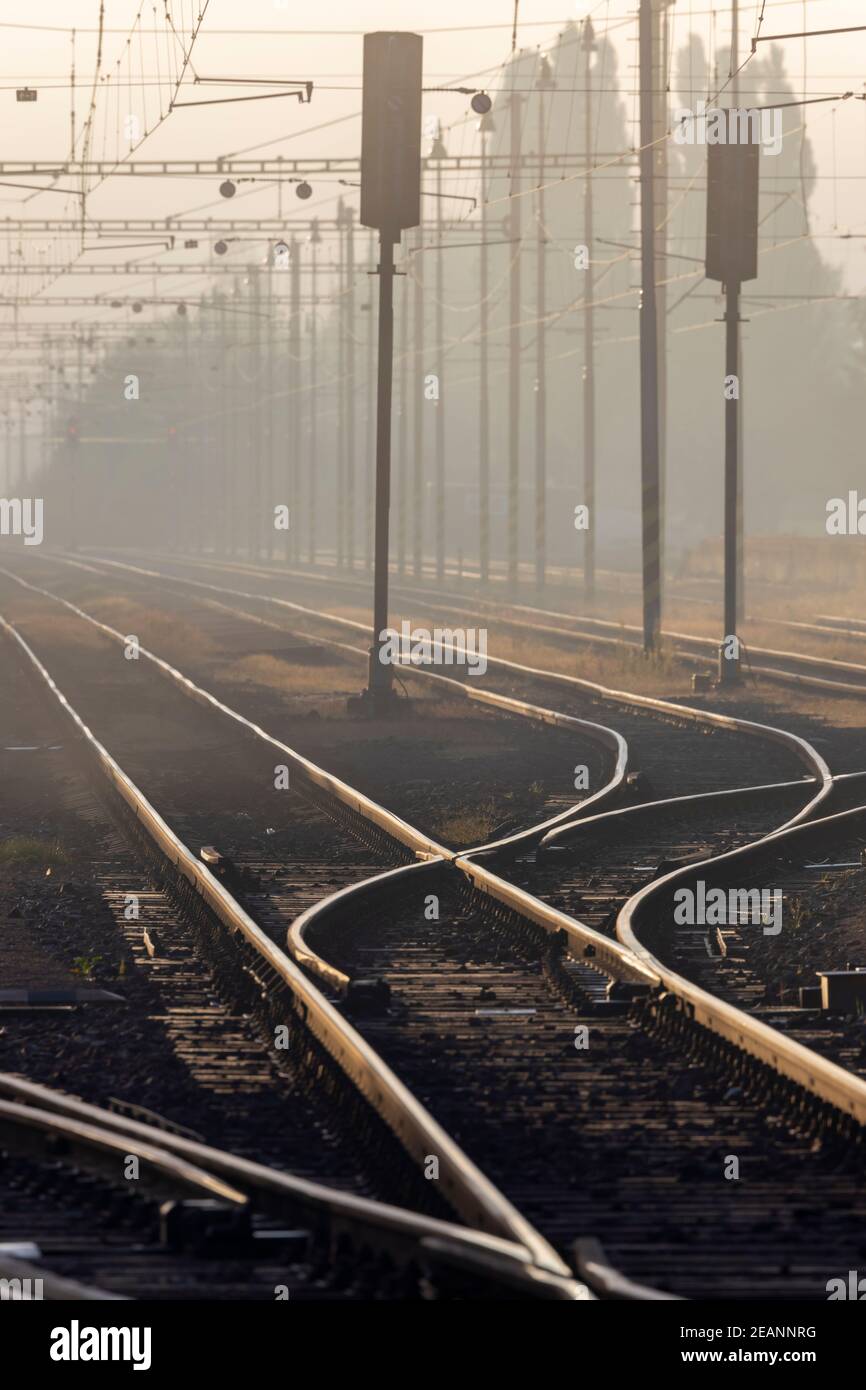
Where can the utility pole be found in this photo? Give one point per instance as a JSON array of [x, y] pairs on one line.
[[403, 435], [437, 153], [255, 517], [231, 501], [43, 448], [660, 156], [269, 408], [223, 502], [418, 414], [349, 397], [341, 372], [204, 490], [183, 461], [75, 455], [544, 83], [295, 471], [370, 424], [649, 382], [22, 451], [514, 384], [312, 476], [485, 127], [741, 552], [589, 46]]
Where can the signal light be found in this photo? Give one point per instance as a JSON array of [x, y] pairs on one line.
[[391, 132], [304, 190], [220, 248], [732, 207], [228, 189], [137, 307], [481, 103]]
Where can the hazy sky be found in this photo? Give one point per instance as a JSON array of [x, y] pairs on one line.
[[457, 46]]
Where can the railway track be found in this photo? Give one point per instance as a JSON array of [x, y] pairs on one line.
[[794, 668], [656, 1108], [198, 1222], [270, 977], [592, 869], [171, 1037], [595, 1103], [746, 961], [162, 1043], [546, 971], [513, 677], [667, 742]]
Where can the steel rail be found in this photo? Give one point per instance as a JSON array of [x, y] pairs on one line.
[[467, 1189], [710, 644], [600, 638], [327, 910], [817, 1076], [609, 955], [398, 829], [96, 1147], [857, 625], [494, 887], [608, 738], [813, 1073], [586, 939], [565, 834], [802, 750], [395, 1229], [595, 638]]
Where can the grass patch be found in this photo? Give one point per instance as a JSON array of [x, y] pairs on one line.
[[162, 632], [273, 673], [26, 851], [468, 826], [624, 668]]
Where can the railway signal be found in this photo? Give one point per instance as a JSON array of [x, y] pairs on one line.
[[390, 203], [732, 258]]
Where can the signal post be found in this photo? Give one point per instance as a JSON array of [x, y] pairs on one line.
[[732, 258], [390, 203]]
